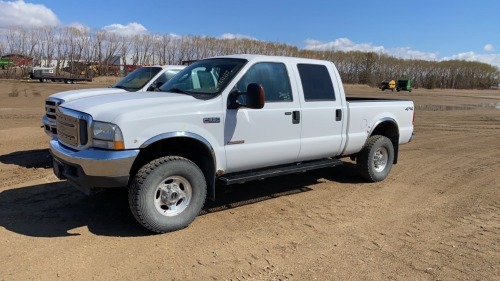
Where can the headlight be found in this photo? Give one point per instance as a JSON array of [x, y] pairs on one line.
[[107, 135]]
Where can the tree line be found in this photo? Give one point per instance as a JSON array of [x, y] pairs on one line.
[[60, 45]]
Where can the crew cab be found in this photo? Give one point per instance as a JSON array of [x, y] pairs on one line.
[[146, 78], [220, 121]]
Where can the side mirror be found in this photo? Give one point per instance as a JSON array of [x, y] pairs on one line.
[[255, 97]]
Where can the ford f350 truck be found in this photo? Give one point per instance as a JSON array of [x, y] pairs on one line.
[[147, 78], [219, 121]]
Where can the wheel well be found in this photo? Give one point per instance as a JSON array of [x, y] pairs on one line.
[[186, 147], [390, 130]]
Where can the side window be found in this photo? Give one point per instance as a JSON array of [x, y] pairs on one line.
[[316, 82], [273, 77]]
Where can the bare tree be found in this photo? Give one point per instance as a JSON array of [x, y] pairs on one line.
[[99, 48]]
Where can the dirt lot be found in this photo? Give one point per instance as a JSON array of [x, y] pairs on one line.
[[437, 216]]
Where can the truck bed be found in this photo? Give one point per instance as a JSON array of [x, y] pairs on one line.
[[366, 113], [360, 99]]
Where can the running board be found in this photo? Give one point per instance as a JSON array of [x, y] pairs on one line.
[[274, 171]]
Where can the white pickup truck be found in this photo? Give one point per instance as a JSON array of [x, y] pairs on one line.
[[224, 120], [146, 78]]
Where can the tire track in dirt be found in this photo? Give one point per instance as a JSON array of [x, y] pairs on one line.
[[267, 273], [19, 116], [468, 246]]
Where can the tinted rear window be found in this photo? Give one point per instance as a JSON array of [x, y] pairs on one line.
[[316, 82]]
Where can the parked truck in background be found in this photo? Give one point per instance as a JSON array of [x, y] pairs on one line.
[[147, 78], [220, 121]]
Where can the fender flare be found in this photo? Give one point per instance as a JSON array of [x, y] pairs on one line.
[[211, 173], [394, 140]]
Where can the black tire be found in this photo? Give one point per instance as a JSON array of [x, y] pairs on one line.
[[375, 160], [167, 194]]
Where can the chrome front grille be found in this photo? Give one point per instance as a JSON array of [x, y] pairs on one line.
[[50, 108], [73, 128]]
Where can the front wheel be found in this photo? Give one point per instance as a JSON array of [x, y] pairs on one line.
[[375, 160], [167, 194]]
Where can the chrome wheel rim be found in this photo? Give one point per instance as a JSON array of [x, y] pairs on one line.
[[380, 159], [173, 195]]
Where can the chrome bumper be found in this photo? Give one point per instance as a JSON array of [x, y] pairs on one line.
[[49, 126], [92, 168]]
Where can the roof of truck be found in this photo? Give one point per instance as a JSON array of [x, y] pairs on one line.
[[252, 57], [169, 66]]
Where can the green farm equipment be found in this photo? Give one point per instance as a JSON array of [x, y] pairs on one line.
[[403, 85], [4, 63]]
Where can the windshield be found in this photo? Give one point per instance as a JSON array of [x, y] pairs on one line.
[[136, 79], [204, 79]]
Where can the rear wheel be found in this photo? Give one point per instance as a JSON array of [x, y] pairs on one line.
[[167, 194], [374, 162]]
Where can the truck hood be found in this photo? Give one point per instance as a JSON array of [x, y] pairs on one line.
[[83, 93], [132, 106]]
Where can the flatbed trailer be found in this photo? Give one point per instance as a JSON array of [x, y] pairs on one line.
[[66, 80], [47, 74]]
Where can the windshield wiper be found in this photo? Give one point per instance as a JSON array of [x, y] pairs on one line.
[[120, 87]]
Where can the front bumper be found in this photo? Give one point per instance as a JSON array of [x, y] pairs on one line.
[[49, 126], [92, 168]]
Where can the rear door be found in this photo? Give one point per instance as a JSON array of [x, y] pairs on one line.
[[322, 115]]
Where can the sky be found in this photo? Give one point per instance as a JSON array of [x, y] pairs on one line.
[[433, 30]]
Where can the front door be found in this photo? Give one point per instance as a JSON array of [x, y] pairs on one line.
[[269, 136]]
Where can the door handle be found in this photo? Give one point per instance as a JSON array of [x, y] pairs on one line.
[[338, 114], [296, 117]]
